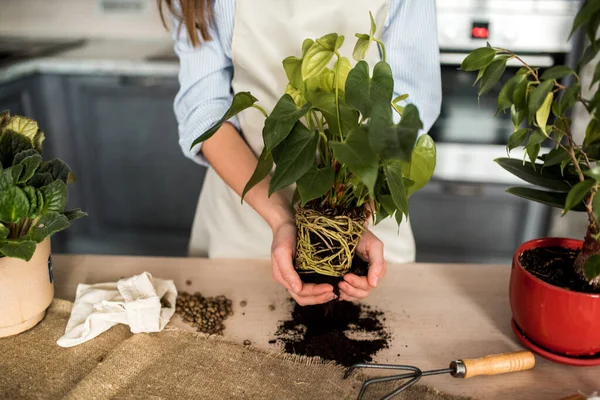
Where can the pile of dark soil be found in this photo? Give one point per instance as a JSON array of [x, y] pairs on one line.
[[554, 265], [339, 331]]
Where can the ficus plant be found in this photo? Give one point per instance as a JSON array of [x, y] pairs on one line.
[[33, 191], [333, 135], [540, 105]]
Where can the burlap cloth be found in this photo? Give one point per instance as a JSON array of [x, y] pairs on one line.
[[171, 364]]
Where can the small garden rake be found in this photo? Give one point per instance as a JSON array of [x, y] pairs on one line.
[[468, 368]]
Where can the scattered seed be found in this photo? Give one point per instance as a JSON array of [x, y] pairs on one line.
[[100, 359], [188, 282], [272, 307], [247, 342], [243, 303], [205, 314]]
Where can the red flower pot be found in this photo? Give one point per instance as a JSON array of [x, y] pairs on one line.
[[559, 321]]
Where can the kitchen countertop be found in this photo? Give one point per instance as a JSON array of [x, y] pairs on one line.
[[436, 313]]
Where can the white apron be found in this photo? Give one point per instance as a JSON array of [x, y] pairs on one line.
[[265, 32]]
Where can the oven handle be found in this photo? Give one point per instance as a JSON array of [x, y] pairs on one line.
[[535, 61]]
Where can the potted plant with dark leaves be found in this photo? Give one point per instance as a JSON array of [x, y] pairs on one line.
[[332, 135], [33, 195], [555, 282]]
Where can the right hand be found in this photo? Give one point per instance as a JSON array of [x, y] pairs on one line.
[[282, 253]]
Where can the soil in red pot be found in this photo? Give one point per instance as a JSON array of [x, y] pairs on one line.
[[339, 331], [554, 265]]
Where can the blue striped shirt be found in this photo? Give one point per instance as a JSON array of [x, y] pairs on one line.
[[409, 35]]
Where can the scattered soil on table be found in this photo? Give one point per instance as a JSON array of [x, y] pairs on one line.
[[344, 332], [554, 265], [206, 314]]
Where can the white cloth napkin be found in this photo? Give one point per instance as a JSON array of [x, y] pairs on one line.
[[133, 301]]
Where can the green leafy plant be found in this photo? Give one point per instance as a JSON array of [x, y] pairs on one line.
[[332, 134], [33, 191], [567, 177]]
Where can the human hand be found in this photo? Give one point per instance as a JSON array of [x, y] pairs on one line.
[[282, 253], [355, 287]]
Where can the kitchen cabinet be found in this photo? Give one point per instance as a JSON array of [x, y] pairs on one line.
[[138, 188], [472, 222]]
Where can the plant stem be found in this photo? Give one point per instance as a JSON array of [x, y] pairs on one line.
[[382, 47], [337, 100], [262, 110], [535, 75]]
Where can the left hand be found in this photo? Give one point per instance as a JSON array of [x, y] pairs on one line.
[[355, 287]]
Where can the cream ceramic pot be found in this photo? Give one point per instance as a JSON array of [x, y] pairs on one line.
[[26, 290]]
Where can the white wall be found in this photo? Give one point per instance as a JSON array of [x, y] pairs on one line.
[[78, 18]]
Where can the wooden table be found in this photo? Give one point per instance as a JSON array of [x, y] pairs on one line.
[[436, 313]]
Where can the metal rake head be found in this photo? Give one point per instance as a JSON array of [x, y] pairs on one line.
[[412, 377]]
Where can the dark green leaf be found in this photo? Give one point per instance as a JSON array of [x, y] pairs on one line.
[[592, 28], [22, 249], [478, 59], [380, 214], [30, 165], [393, 174], [544, 177], [596, 77], [387, 203], [31, 193], [241, 101], [10, 176], [584, 14], [593, 173], [293, 70], [578, 194], [356, 154], [554, 199], [569, 97], [589, 53], [263, 167], [517, 138], [398, 216], [591, 267], [40, 202], [315, 183], [318, 56], [40, 179], [24, 154], [362, 91], [296, 156], [506, 93], [520, 94], [592, 132], [14, 204], [325, 102], [47, 225], [72, 215], [59, 169], [517, 116], [4, 231], [492, 75], [55, 196], [12, 143], [555, 157], [557, 72], [394, 141], [282, 119], [422, 164], [539, 95]]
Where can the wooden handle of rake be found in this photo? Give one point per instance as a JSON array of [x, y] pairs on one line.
[[494, 364]]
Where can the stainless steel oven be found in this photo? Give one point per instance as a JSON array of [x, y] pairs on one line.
[[464, 214]]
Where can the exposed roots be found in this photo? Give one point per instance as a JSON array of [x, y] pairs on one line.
[[326, 244]]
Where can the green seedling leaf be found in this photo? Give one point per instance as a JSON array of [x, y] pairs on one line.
[[591, 267], [578, 193], [55, 196], [315, 183], [47, 225], [593, 173], [295, 158], [505, 97], [422, 164], [539, 95], [319, 55], [362, 91], [263, 167], [492, 75], [393, 174], [325, 102], [357, 155], [21, 249], [241, 101], [544, 177], [583, 16], [519, 97], [569, 97], [478, 58], [555, 157], [343, 67], [517, 138], [14, 204], [592, 132], [293, 70], [557, 72], [279, 124]]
